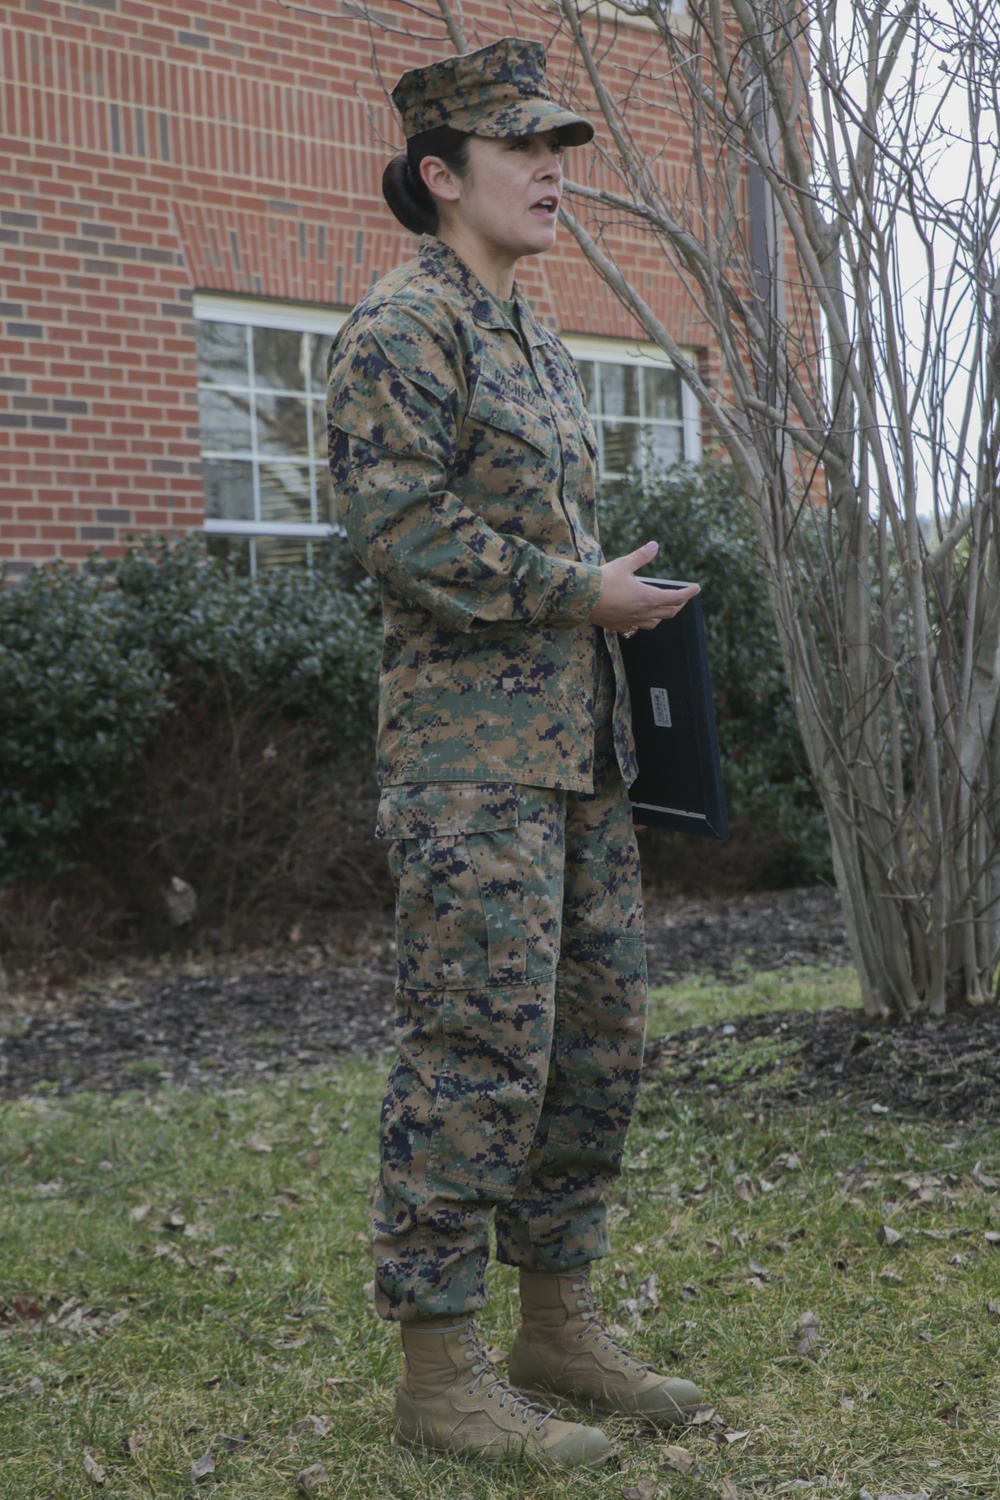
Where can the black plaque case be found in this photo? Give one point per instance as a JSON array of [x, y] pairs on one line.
[[679, 785]]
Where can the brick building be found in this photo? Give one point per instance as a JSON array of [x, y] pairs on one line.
[[190, 204]]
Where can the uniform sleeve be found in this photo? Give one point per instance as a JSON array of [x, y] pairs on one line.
[[396, 391]]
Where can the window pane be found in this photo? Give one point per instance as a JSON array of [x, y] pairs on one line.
[[280, 552], [586, 368], [620, 446], [228, 489], [222, 353], [620, 390], [320, 440], [281, 426], [326, 506], [663, 445], [284, 492], [280, 358], [320, 351], [663, 394], [225, 421]]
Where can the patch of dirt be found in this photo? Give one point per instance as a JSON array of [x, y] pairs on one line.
[[211, 1021], [948, 1068]]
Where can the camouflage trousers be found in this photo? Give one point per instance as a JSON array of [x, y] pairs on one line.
[[520, 1025]]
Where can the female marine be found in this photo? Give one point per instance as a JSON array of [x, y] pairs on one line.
[[464, 466]]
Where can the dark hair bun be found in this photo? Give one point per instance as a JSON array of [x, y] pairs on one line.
[[410, 201]]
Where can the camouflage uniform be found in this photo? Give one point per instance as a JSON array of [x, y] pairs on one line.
[[463, 461]]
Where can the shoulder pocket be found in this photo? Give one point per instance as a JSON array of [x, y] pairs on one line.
[[442, 809]]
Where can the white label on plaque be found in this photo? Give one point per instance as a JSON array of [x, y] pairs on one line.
[[661, 708]]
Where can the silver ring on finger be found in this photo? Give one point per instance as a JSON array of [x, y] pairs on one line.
[[628, 634]]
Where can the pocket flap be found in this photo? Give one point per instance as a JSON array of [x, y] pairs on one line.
[[501, 401], [443, 809]]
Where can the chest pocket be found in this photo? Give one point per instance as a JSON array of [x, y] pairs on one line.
[[501, 403]]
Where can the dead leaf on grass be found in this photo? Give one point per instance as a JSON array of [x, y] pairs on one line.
[[723, 1439], [643, 1489], [756, 1269], [319, 1425], [648, 1298], [888, 1237], [953, 1415], [728, 1490], [167, 1252], [677, 1460], [27, 1309], [201, 1468], [94, 1469], [808, 1334], [311, 1160], [140, 1212], [702, 1415], [980, 1178], [743, 1187], [136, 1441], [309, 1480], [714, 1249]]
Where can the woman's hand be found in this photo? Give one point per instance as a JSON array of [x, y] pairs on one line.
[[627, 603]]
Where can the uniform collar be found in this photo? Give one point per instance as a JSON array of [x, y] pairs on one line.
[[481, 305]]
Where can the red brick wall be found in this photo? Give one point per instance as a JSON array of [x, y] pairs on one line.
[[148, 151]]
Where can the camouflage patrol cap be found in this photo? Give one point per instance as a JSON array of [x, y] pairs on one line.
[[499, 91]]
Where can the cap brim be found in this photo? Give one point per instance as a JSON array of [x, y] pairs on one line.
[[526, 117]]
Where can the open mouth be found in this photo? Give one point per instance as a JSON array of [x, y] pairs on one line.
[[547, 205]]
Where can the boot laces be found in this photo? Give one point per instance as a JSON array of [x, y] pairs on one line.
[[596, 1330], [509, 1400]]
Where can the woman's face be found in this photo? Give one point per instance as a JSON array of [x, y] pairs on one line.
[[507, 203]]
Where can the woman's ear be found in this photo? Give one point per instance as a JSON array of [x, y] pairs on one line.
[[439, 180]]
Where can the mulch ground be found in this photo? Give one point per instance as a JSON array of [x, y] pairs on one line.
[[218, 1021]]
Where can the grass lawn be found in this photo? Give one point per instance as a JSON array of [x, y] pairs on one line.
[[182, 1279]]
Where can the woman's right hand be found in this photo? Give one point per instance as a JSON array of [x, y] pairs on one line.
[[627, 603]]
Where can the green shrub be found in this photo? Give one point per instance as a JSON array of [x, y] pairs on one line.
[[77, 702], [706, 535], [295, 636], [102, 669], [164, 715]]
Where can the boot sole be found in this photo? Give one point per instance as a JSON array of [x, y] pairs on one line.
[[606, 1409], [411, 1432], [513, 1453]]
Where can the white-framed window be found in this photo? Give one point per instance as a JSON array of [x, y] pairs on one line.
[[646, 418], [262, 393], [647, 14], [261, 398]]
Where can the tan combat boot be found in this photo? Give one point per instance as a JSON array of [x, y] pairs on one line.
[[561, 1349], [452, 1398]]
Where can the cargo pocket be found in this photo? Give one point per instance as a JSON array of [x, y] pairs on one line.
[[460, 883]]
